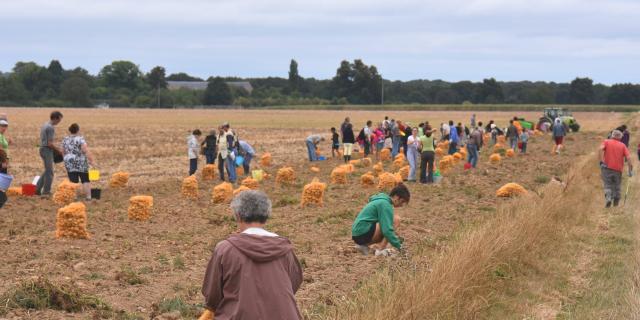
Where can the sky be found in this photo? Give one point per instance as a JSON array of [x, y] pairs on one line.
[[453, 40]]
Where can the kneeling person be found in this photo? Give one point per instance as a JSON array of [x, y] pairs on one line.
[[376, 223]]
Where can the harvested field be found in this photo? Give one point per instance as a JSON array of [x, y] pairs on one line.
[[167, 254]]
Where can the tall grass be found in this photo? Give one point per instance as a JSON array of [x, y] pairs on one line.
[[464, 279]]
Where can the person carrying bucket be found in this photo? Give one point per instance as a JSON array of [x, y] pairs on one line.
[[47, 151], [312, 144], [77, 159], [247, 151]]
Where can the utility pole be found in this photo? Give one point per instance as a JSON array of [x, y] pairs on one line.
[[382, 91]]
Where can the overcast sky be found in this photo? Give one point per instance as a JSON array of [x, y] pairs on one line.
[[550, 40]]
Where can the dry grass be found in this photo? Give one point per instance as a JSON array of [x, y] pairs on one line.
[[461, 282]]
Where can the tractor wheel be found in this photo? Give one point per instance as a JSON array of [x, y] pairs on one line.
[[575, 127]]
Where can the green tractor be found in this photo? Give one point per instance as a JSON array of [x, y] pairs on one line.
[[550, 115]]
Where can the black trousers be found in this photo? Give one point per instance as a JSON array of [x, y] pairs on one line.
[[426, 165]]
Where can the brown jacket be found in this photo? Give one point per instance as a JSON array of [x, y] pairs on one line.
[[253, 277]]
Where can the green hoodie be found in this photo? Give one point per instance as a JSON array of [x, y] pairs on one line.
[[378, 210]]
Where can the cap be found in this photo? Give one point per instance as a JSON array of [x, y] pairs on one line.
[[4, 122], [225, 124]]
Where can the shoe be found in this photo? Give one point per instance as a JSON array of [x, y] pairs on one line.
[[363, 249], [608, 205], [616, 202]]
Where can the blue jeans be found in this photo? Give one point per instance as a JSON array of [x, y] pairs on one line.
[[395, 140], [193, 166], [311, 148], [412, 158], [211, 157], [472, 152], [453, 147], [231, 169], [513, 142], [46, 179], [247, 164]]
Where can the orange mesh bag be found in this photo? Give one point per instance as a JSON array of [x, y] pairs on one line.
[[501, 139], [315, 169], [404, 172], [511, 190], [356, 163], [495, 158], [498, 147], [190, 187], [119, 180], [240, 189], [439, 152], [71, 222], [313, 193], [385, 155], [339, 175], [386, 182], [366, 162], [209, 172], [367, 180], [250, 183], [140, 208], [378, 169], [14, 191], [285, 175], [222, 193], [348, 168], [265, 160], [65, 193], [463, 152], [445, 164], [457, 157], [510, 153]]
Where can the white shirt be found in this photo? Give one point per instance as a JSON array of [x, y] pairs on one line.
[[367, 132], [194, 147], [445, 129], [259, 232]]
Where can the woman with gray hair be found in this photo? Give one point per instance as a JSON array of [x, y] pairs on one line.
[[254, 273], [613, 154]]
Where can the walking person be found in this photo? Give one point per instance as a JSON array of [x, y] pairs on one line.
[[348, 139], [378, 139], [335, 142], [413, 154], [312, 142], [368, 136], [247, 152], [453, 138], [558, 132], [512, 135], [193, 150], [253, 274], [428, 147], [210, 147], [77, 159], [613, 154], [47, 151], [524, 139], [474, 145]]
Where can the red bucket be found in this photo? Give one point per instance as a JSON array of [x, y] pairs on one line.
[[28, 189], [467, 166]]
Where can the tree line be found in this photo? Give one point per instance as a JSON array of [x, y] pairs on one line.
[[124, 84]]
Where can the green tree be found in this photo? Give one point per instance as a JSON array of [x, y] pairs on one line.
[[75, 90], [624, 93], [489, 91], [294, 76], [181, 76], [35, 78], [217, 93], [156, 79], [121, 74], [357, 82], [12, 91], [57, 74], [581, 91]]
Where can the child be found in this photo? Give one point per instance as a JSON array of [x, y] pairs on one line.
[[193, 147], [524, 137], [335, 143]]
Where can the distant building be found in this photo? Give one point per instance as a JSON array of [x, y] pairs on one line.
[[201, 85]]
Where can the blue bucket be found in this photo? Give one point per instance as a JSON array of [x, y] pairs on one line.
[[322, 158], [239, 160], [5, 181]]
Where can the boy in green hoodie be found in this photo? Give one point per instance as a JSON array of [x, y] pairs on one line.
[[376, 222]]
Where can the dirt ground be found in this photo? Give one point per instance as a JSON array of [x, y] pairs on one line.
[[169, 252]]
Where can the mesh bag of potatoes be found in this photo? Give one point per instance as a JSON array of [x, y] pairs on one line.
[[119, 179], [367, 180], [265, 160], [495, 158], [65, 193], [387, 181], [385, 155], [511, 189], [398, 163], [314, 169], [240, 189], [366, 162], [313, 193], [510, 153], [286, 175], [209, 172], [404, 172], [356, 163], [250, 183], [498, 148], [71, 221], [348, 168], [378, 169], [439, 152], [446, 164], [339, 175], [457, 157], [190, 187], [140, 208], [14, 191], [222, 193], [501, 139]]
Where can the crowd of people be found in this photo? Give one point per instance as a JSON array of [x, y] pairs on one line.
[[247, 268]]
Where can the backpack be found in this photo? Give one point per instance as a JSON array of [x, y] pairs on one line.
[[361, 135]]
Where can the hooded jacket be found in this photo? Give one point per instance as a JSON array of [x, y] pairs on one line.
[[378, 210], [253, 277]]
